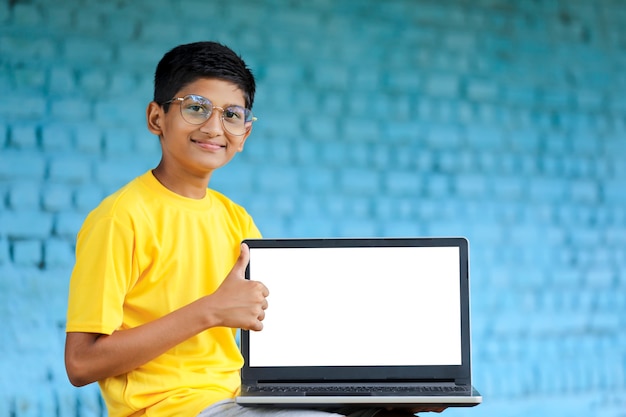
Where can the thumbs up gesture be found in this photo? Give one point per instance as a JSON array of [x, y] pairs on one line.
[[238, 302]]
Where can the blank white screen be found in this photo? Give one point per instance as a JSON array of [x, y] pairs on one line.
[[358, 306]]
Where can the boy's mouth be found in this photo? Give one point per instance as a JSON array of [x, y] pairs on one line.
[[207, 144]]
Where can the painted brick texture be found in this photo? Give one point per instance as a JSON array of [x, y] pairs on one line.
[[498, 120]]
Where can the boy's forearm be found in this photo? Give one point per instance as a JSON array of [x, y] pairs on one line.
[[93, 357]]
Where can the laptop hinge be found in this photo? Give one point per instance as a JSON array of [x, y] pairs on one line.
[[366, 382]]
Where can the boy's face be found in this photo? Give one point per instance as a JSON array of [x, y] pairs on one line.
[[197, 149]]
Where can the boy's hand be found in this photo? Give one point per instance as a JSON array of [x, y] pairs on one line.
[[238, 302]]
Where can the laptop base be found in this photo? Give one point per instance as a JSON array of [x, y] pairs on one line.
[[317, 396], [334, 402]]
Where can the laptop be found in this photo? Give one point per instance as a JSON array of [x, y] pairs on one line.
[[360, 322]]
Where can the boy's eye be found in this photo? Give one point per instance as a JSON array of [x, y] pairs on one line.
[[197, 108], [233, 113]]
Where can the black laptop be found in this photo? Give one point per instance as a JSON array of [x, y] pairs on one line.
[[360, 322]]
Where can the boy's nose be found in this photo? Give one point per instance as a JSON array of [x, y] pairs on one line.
[[213, 124]]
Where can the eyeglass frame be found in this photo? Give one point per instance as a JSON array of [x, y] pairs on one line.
[[213, 107]]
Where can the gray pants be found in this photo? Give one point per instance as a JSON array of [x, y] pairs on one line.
[[228, 408]]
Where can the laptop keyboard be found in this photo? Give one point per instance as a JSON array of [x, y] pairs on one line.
[[360, 390]]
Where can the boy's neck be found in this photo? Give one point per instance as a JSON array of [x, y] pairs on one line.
[[185, 185]]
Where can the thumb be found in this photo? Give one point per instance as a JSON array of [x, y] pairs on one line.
[[239, 269]]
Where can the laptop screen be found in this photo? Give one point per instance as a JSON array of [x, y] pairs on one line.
[[358, 306]]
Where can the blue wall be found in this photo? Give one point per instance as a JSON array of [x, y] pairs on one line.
[[504, 121]]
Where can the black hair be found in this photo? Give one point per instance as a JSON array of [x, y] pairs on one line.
[[186, 63]]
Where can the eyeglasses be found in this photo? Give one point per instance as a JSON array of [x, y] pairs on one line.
[[196, 110]]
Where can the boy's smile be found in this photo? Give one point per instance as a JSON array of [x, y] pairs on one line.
[[208, 145], [191, 152]]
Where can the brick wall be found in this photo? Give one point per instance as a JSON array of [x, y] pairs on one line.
[[500, 120]]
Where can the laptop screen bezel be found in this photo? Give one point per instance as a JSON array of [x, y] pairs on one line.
[[460, 374]]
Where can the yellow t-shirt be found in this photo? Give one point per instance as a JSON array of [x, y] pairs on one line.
[[142, 253]]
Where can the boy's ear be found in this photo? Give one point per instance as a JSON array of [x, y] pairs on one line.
[[154, 117], [243, 140]]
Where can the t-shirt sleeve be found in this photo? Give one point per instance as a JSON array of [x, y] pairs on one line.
[[102, 275], [252, 230]]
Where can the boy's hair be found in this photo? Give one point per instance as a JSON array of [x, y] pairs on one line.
[[186, 63]]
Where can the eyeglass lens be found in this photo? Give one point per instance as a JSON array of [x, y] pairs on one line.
[[197, 110]]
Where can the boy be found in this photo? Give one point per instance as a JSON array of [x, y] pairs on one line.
[[158, 286], [149, 317]]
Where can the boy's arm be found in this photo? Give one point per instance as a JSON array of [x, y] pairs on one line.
[[237, 303]]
